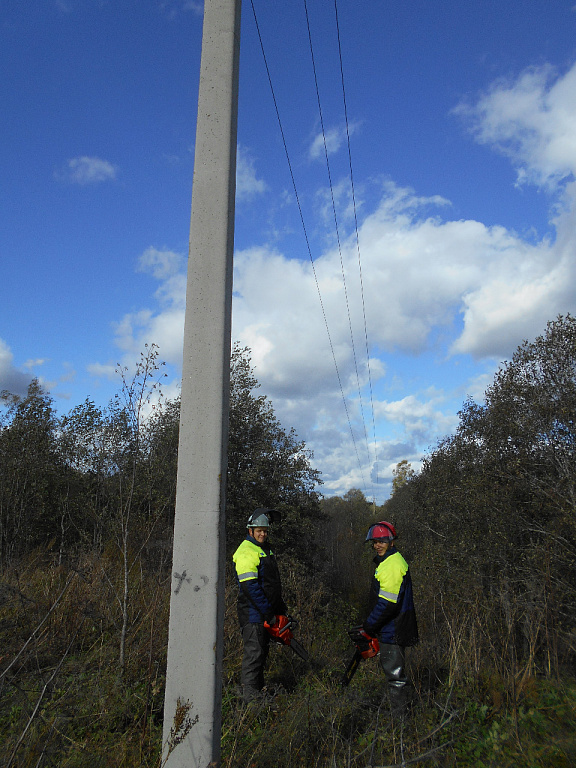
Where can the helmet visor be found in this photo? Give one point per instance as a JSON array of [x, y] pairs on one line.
[[262, 517], [381, 532]]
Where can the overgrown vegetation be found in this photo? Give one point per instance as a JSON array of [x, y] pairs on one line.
[[86, 511]]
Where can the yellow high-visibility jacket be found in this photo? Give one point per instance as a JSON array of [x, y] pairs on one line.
[[259, 585], [393, 617]]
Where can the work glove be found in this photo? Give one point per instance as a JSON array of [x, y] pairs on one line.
[[365, 642], [368, 629]]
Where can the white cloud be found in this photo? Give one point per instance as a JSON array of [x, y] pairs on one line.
[[460, 288], [162, 325], [476, 387], [102, 370], [532, 120], [17, 381], [425, 273], [30, 364], [420, 419], [339, 197], [161, 264], [484, 287], [330, 141], [88, 170], [247, 183]]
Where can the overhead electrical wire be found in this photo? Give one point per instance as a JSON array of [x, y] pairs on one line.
[[335, 222], [368, 367], [306, 238], [326, 155]]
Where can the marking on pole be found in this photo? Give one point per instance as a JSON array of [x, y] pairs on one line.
[[181, 579], [205, 579]]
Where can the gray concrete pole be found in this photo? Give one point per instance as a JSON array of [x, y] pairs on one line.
[[195, 639]]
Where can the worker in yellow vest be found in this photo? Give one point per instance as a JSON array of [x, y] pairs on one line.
[[259, 598], [392, 617]]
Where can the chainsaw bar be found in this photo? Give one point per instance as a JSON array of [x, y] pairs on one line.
[[351, 668], [297, 648]]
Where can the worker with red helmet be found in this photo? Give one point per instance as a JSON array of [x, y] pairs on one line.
[[392, 616]]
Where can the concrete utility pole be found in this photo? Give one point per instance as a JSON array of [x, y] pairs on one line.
[[195, 640]]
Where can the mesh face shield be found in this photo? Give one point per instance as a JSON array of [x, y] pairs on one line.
[[262, 518], [381, 532], [258, 521]]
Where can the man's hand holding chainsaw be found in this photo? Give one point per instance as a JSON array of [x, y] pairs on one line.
[[281, 632]]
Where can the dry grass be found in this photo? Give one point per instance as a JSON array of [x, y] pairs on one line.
[[65, 702]]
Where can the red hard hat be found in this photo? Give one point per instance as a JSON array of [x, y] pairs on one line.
[[382, 531]]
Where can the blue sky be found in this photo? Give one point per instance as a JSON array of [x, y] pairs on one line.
[[462, 126]]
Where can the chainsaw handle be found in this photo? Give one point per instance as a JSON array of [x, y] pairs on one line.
[[281, 626], [367, 645]]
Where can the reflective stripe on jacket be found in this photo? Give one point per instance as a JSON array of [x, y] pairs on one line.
[[259, 586], [392, 617]]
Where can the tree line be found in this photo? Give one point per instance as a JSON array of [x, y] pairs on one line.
[[98, 476]]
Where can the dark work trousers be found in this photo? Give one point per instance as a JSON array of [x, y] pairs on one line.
[[256, 645], [392, 661]]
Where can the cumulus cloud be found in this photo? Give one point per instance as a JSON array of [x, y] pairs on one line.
[[486, 287], [102, 370], [88, 170], [531, 119], [458, 289], [425, 273], [17, 380], [30, 364], [421, 419]]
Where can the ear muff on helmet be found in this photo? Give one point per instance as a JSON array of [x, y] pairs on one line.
[[263, 517], [381, 531]]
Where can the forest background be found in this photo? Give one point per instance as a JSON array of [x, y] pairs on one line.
[[488, 526]]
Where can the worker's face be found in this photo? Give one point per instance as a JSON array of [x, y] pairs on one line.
[[260, 534], [381, 547]]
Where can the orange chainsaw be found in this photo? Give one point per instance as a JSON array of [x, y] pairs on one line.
[[366, 647], [281, 632]]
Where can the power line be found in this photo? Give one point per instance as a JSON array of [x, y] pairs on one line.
[[335, 223], [306, 236], [360, 399], [357, 239]]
